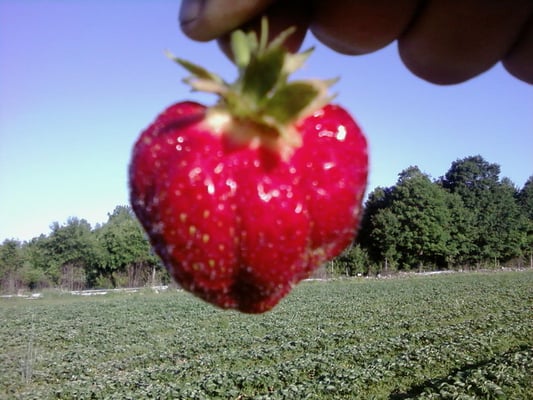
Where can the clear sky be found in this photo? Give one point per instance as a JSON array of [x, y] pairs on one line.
[[79, 80]]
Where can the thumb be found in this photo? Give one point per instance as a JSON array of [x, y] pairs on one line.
[[281, 15], [205, 20]]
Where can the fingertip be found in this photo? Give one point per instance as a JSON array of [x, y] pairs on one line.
[[449, 43], [360, 27], [428, 66], [189, 14], [280, 16], [519, 61], [205, 20], [520, 70]]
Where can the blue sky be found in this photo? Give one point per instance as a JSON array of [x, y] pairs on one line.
[[79, 80]]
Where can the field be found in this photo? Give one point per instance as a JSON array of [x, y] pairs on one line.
[[449, 336]]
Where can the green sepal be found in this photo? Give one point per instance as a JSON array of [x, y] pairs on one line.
[[262, 93], [290, 100], [196, 70], [241, 48], [262, 74], [294, 62]]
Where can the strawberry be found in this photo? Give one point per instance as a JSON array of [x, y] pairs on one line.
[[244, 199]]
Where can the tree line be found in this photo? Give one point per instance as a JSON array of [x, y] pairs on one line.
[[468, 218], [76, 256]]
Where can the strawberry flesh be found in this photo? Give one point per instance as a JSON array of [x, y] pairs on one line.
[[237, 223]]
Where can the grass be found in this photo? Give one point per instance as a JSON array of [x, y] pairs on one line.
[[466, 335]]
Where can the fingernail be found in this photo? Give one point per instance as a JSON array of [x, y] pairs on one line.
[[190, 10]]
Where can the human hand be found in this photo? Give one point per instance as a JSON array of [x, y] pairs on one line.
[[441, 41]]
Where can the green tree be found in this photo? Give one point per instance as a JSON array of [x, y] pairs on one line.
[[36, 253], [525, 202], [471, 177], [509, 224], [497, 227], [462, 232], [70, 252], [127, 251], [421, 207], [352, 261], [378, 227], [385, 231], [410, 224], [525, 198], [10, 265]]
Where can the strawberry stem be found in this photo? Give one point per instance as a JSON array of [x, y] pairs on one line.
[[262, 93]]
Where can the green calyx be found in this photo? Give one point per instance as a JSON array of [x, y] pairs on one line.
[[262, 93]]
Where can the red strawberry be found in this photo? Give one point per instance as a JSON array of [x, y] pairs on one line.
[[244, 199]]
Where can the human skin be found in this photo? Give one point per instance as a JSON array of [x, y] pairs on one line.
[[441, 41]]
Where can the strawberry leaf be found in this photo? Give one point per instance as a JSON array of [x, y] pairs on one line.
[[262, 74], [196, 70], [262, 93], [241, 48], [289, 100], [293, 62], [278, 41]]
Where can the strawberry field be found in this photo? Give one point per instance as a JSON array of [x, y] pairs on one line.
[[450, 336]]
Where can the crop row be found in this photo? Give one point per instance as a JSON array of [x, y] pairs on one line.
[[456, 336]]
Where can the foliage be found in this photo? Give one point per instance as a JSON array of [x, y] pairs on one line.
[[525, 201], [74, 256], [447, 336], [468, 217], [412, 224], [351, 262], [70, 252], [498, 225], [525, 198], [10, 264], [125, 247]]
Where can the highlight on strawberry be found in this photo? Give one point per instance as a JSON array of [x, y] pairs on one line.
[[243, 199]]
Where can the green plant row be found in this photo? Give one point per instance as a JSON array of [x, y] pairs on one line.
[[454, 336]]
